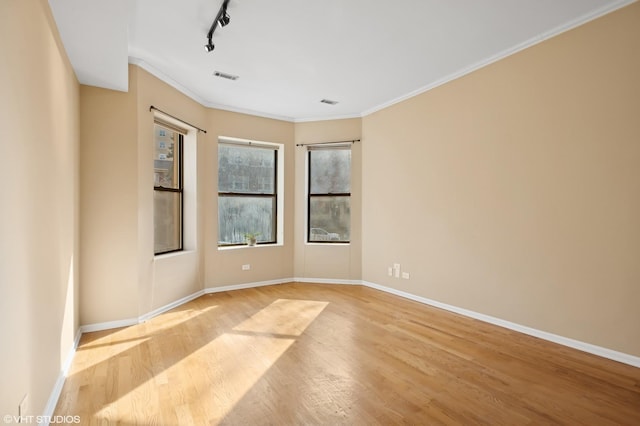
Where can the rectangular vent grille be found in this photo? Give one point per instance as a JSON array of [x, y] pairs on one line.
[[225, 75], [329, 102]]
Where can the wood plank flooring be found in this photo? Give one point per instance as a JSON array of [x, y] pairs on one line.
[[307, 354]]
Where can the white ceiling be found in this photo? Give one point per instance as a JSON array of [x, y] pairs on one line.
[[290, 54]]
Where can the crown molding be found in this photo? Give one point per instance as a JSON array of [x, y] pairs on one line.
[[505, 53]]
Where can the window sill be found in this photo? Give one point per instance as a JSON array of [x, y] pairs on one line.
[[225, 248], [172, 254], [327, 244]]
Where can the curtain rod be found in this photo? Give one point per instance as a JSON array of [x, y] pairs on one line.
[[352, 141], [151, 108]]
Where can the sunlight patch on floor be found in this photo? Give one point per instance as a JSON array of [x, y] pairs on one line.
[[99, 353], [96, 350], [216, 376], [284, 316], [174, 318]]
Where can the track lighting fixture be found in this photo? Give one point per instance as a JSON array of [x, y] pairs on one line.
[[222, 18]]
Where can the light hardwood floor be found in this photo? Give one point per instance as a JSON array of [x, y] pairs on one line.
[[307, 354]]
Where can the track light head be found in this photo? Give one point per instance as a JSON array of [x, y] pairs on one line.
[[224, 19], [209, 46]]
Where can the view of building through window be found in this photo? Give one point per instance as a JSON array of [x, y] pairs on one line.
[[247, 190], [329, 214], [167, 194], [247, 193]]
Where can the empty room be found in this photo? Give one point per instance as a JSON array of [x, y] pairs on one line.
[[312, 213]]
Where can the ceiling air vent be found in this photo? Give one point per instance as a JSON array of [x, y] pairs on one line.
[[225, 75], [329, 102]]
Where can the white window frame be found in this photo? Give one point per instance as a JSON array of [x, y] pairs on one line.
[[308, 196], [280, 195]]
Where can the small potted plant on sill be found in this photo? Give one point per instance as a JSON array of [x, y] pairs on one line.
[[251, 238]]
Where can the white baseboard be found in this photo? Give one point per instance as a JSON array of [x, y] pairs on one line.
[[142, 318], [53, 399], [89, 328], [72, 353], [57, 387], [146, 317], [168, 307], [246, 285], [576, 344], [327, 281]]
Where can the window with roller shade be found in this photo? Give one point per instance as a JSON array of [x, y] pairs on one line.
[[167, 189], [329, 194], [247, 192]]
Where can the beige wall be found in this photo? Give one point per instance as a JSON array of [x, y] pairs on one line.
[[39, 253], [165, 279], [328, 261], [122, 279], [108, 200], [515, 190], [224, 267]]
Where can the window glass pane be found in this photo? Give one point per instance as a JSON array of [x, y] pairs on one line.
[[329, 219], [238, 216], [166, 158], [166, 221], [330, 171], [246, 170]]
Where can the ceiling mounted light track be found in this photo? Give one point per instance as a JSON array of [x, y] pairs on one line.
[[222, 19]]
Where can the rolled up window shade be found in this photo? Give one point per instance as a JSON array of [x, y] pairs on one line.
[[337, 145], [247, 143], [170, 126]]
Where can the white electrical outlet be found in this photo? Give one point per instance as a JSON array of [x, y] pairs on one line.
[[405, 275], [396, 270], [246, 267], [390, 271]]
